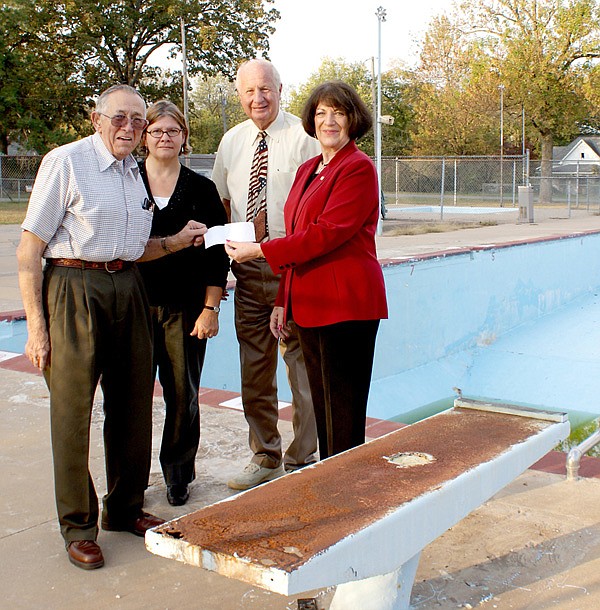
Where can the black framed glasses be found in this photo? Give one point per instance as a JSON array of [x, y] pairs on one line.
[[121, 120], [158, 133]]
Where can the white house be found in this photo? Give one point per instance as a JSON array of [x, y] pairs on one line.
[[580, 157]]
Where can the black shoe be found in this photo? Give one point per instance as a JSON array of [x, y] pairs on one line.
[[177, 495]]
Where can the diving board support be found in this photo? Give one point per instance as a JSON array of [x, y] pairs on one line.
[[359, 520], [385, 592]]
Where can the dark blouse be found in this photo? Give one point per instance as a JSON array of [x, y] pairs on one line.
[[181, 278]]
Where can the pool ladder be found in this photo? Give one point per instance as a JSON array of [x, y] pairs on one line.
[[576, 453]]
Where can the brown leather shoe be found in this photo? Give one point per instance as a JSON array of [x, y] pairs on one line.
[[145, 522], [85, 554]]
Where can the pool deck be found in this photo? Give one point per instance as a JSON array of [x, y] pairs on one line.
[[535, 545]]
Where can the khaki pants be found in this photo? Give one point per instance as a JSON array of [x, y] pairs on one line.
[[255, 294]]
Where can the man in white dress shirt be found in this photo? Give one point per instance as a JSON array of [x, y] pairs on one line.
[[259, 87], [88, 321]]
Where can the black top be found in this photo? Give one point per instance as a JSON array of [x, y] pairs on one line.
[[181, 278]]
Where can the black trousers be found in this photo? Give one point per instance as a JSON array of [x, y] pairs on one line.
[[99, 329], [179, 359], [339, 362]]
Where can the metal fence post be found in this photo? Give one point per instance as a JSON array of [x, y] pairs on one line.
[[455, 180], [514, 182], [397, 179], [442, 190], [577, 187]]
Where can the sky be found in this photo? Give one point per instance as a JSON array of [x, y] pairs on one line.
[[310, 30]]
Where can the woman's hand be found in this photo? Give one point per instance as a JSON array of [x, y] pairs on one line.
[[243, 251], [278, 328], [207, 325]]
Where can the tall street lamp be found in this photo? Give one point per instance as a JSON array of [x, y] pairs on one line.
[[184, 70], [381, 15], [501, 88]]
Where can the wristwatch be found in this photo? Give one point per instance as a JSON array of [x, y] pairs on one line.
[[216, 309]]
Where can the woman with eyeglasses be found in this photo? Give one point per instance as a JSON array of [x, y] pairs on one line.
[[184, 289]]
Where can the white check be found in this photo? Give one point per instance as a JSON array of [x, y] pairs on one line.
[[234, 231]]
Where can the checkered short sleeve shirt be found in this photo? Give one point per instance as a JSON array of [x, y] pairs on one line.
[[86, 204]]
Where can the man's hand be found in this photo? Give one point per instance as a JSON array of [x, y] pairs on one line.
[[191, 235], [29, 258], [37, 348]]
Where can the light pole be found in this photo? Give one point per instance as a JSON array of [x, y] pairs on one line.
[[501, 88], [380, 12], [184, 71]]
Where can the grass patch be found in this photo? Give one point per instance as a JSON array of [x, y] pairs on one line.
[[420, 228], [12, 213]]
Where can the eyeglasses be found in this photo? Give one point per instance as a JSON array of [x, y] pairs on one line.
[[120, 120], [158, 133]]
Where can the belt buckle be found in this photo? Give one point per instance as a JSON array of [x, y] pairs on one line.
[[107, 269]]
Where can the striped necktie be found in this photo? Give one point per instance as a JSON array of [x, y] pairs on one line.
[[256, 210]]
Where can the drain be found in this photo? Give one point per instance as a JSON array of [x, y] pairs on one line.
[[410, 459]]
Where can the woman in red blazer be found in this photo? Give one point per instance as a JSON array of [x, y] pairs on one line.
[[331, 281]]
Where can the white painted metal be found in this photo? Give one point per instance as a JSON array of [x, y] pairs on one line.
[[386, 592], [388, 545]]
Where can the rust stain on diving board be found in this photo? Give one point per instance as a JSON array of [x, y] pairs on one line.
[[293, 518]]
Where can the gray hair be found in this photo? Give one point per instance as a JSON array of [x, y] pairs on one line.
[[263, 62], [102, 100]]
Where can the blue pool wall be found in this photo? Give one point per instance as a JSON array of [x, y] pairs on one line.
[[448, 313], [516, 323]]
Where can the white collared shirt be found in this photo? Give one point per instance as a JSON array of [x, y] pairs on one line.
[[289, 146], [88, 205]]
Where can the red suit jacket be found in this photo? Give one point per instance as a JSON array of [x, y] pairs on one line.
[[330, 272]]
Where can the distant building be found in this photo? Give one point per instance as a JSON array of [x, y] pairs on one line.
[[579, 158], [14, 148], [201, 164]]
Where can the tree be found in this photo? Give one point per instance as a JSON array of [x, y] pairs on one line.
[[456, 109], [214, 109], [41, 105], [118, 38], [63, 53], [542, 52], [395, 138]]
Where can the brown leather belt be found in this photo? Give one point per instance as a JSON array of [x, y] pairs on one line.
[[110, 266]]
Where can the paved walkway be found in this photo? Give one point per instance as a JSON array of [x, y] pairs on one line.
[[536, 545]]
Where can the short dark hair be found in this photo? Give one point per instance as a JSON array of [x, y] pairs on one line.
[[340, 95]]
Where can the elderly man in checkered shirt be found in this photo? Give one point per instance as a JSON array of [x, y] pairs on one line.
[[87, 317]]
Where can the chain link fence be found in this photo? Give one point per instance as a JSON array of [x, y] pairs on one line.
[[453, 180], [17, 174], [416, 189]]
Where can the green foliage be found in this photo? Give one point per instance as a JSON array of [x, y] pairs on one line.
[[214, 109], [539, 50], [395, 138], [55, 56], [41, 105]]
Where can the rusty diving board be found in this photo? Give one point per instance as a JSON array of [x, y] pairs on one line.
[[360, 519]]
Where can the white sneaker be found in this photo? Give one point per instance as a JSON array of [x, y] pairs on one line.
[[254, 475]]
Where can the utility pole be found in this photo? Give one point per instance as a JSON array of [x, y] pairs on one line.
[[501, 87], [380, 12], [184, 72]]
